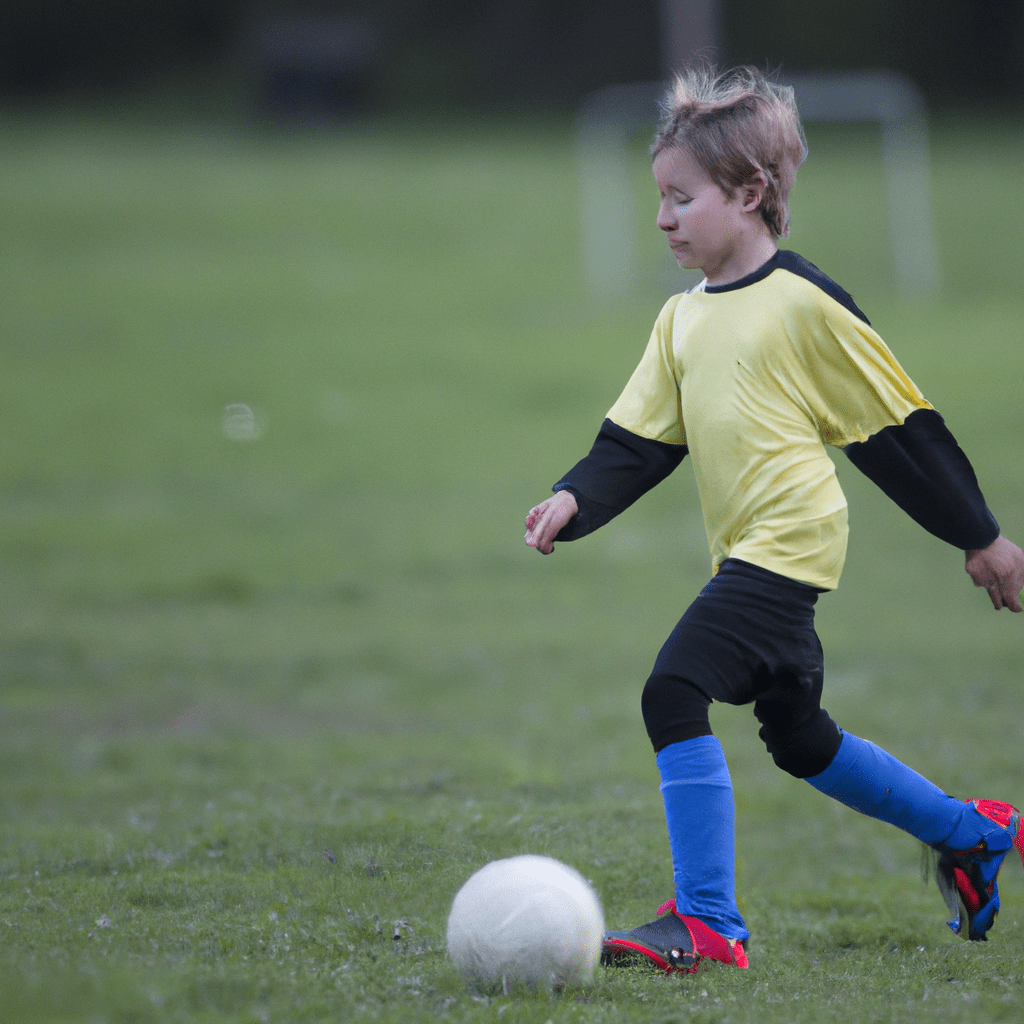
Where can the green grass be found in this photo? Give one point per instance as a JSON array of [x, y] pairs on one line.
[[223, 658]]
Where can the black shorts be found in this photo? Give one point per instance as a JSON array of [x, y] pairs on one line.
[[747, 638]]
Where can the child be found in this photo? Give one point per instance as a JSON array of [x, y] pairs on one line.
[[752, 373]]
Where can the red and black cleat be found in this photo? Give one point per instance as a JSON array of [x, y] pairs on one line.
[[672, 943], [968, 878]]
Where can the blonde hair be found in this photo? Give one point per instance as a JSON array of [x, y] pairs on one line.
[[735, 124]]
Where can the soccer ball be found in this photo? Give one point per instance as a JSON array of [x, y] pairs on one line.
[[525, 921]]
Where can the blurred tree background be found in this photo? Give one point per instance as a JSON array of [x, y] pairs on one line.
[[381, 54]]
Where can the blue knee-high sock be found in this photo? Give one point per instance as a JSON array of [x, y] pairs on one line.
[[866, 778], [701, 819]]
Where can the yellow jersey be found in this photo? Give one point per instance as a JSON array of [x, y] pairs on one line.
[[755, 379]]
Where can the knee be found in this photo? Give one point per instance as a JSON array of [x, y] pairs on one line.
[[801, 747], [674, 710]]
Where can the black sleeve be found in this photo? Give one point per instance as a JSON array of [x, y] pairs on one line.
[[921, 467], [620, 468]]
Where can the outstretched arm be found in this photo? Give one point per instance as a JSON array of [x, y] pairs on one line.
[[921, 467], [999, 568]]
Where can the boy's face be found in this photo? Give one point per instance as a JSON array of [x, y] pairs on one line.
[[704, 227]]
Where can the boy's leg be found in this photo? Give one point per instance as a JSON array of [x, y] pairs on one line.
[[695, 785], [724, 647], [868, 779], [701, 817], [702, 922], [971, 838]]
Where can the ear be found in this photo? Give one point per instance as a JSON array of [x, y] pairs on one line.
[[753, 190]]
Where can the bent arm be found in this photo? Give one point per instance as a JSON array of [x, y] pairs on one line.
[[620, 468]]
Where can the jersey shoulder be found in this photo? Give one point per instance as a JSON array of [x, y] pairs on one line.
[[794, 263]]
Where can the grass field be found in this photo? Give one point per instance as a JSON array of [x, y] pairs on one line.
[[277, 679]]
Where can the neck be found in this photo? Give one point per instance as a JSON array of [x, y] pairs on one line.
[[745, 260]]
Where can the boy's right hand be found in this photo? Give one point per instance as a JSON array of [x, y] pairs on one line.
[[544, 521]]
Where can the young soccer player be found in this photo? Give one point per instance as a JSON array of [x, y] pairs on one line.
[[752, 373]]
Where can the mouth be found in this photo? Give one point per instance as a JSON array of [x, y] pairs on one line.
[[680, 250]]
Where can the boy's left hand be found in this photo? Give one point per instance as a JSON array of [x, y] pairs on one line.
[[999, 568]]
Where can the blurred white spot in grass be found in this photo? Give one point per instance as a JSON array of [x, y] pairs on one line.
[[241, 423]]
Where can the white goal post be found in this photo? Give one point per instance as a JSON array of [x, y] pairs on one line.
[[609, 116]]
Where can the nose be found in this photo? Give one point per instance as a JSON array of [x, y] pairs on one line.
[[666, 219]]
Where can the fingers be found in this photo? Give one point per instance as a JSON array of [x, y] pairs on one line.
[[999, 569], [542, 535], [1001, 600], [1004, 595], [545, 521], [1000, 595], [538, 534], [992, 587], [539, 541]]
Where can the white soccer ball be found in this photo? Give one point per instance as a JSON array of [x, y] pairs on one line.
[[525, 921]]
